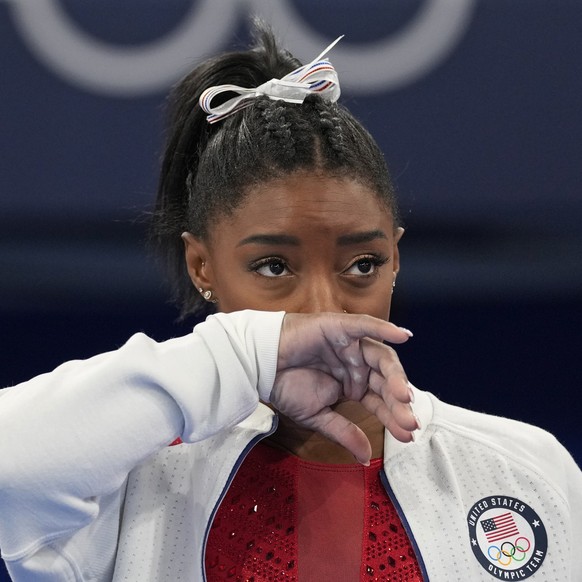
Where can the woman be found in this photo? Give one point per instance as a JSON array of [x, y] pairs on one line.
[[277, 202]]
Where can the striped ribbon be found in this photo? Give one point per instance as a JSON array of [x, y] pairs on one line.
[[318, 76]]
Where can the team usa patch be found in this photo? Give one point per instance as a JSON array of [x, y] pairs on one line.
[[507, 536]]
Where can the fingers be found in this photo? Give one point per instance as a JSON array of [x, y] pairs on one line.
[[360, 326], [387, 377], [307, 338], [389, 396], [397, 417], [305, 396], [339, 429], [301, 393]]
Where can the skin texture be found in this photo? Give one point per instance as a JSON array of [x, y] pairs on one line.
[[306, 243]]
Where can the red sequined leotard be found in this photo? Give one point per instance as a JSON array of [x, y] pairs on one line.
[[288, 519]]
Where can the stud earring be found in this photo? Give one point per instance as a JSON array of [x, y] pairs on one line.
[[207, 295]]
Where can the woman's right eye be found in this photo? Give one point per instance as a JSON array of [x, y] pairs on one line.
[[271, 268]]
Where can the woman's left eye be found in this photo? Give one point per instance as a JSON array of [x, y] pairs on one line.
[[365, 266]]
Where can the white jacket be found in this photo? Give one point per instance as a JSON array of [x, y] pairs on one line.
[[90, 491]]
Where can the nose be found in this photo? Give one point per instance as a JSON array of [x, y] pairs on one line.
[[320, 295]]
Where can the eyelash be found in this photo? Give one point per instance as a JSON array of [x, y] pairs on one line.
[[255, 266], [376, 261]]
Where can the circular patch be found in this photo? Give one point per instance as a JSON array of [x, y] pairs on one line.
[[507, 536]]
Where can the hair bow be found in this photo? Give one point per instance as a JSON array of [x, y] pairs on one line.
[[318, 76]]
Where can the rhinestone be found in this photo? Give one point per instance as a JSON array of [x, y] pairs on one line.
[[214, 562]]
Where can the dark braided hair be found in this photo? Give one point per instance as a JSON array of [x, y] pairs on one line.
[[208, 169]]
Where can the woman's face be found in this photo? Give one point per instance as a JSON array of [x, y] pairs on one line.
[[305, 243]]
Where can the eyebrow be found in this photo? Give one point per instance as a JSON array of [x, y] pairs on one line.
[[270, 239], [360, 237], [288, 240]]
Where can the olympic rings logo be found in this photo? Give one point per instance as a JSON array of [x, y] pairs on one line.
[[509, 552], [100, 67]]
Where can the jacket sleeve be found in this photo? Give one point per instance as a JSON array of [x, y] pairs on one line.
[[68, 439]]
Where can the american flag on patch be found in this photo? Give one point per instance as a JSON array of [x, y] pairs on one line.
[[499, 527]]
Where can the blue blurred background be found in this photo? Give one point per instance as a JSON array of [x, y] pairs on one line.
[[476, 104]]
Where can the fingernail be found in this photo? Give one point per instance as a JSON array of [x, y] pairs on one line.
[[407, 332], [365, 463], [412, 437], [417, 421], [411, 394]]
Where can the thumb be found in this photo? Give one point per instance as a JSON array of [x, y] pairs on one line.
[[339, 429]]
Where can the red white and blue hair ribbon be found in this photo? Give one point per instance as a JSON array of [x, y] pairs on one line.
[[318, 77]]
